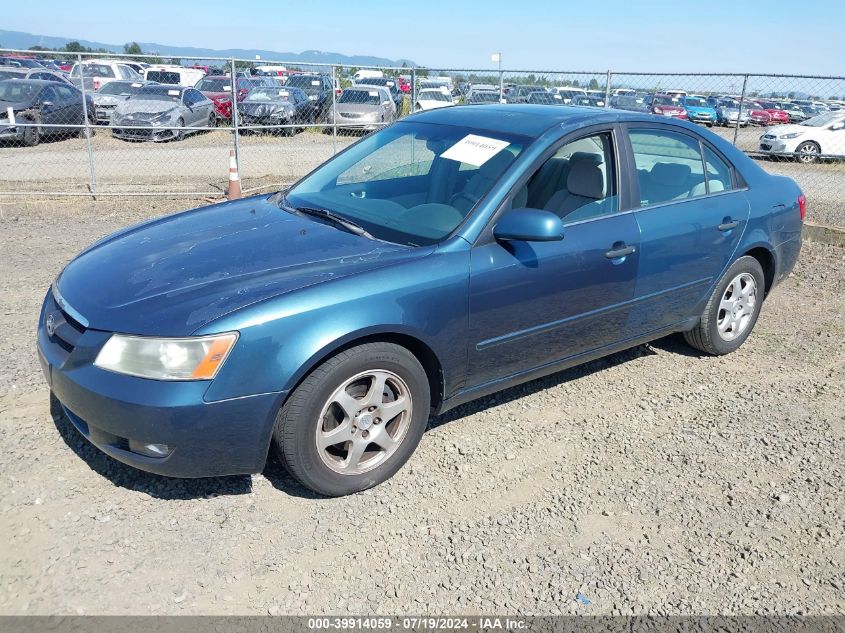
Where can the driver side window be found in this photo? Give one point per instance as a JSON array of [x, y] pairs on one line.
[[577, 183]]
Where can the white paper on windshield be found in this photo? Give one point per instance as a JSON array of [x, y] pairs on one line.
[[372, 93], [227, 88], [475, 150], [391, 84], [558, 97], [173, 93], [136, 85], [283, 93], [11, 114], [315, 83]]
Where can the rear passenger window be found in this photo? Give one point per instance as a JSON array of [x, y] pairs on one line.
[[718, 172], [669, 166]]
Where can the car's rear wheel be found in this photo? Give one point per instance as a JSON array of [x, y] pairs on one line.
[[180, 134], [808, 152], [355, 420], [732, 310]]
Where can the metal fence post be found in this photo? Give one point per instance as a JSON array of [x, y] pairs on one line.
[[236, 136], [92, 170], [413, 89], [334, 109], [741, 102], [501, 83], [607, 89]]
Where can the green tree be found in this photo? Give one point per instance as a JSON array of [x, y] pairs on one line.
[[594, 85], [132, 48]]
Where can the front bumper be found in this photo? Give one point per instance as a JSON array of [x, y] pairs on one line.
[[11, 132], [145, 133], [205, 438], [778, 146]]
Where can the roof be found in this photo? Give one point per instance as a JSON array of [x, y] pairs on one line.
[[523, 119], [37, 82]]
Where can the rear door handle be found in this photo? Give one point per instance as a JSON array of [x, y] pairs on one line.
[[727, 226], [622, 251]]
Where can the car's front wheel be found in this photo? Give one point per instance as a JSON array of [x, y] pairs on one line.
[[732, 310], [355, 420], [808, 152]]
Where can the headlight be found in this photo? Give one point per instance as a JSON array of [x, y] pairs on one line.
[[164, 116], [790, 135], [193, 358]]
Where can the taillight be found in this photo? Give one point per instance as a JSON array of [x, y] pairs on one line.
[[802, 206]]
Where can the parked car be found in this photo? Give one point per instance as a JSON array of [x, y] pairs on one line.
[[218, 88], [432, 263], [519, 94], [776, 115], [276, 106], [386, 82], [544, 98], [20, 72], [630, 103], [363, 107], [107, 98], [698, 111], [157, 112], [666, 105], [432, 98], [757, 115], [809, 141], [39, 109], [567, 94], [19, 61], [793, 111], [138, 67], [174, 75], [98, 72], [728, 113], [319, 90]]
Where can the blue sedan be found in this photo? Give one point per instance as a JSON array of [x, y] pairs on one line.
[[448, 256]]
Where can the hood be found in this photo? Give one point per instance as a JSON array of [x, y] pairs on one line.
[[788, 128], [100, 99], [700, 109], [263, 108], [359, 108], [15, 105], [152, 106], [173, 275], [217, 96]]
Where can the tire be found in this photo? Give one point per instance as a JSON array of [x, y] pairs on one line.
[[31, 135], [180, 135], [808, 152], [312, 410], [212, 121], [732, 310]]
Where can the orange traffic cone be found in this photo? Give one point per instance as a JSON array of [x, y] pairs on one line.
[[234, 191]]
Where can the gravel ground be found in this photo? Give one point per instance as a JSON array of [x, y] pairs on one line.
[[654, 481], [199, 164]]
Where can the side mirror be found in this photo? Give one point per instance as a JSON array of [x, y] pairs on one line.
[[839, 125], [385, 103], [46, 103], [528, 225]]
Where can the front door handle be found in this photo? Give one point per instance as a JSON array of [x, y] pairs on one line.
[[620, 251], [728, 224]]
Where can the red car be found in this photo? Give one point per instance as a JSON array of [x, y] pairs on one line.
[[776, 115], [757, 114], [403, 84], [218, 88], [664, 105]]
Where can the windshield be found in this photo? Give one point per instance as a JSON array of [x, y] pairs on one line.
[[695, 102], [305, 82], [822, 120], [157, 93], [485, 97], [267, 94], [543, 97], [92, 70], [667, 101], [433, 95], [121, 88], [12, 74], [16, 91], [366, 97], [411, 183], [224, 84], [163, 76]]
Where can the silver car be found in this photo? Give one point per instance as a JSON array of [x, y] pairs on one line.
[[363, 108], [113, 93], [160, 112]]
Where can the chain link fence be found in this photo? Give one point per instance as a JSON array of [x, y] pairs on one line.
[[123, 125]]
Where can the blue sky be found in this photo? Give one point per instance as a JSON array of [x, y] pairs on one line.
[[656, 35]]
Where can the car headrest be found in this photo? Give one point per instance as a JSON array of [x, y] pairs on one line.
[[670, 173], [577, 157], [586, 179]]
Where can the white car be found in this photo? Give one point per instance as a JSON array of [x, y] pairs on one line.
[[99, 72], [568, 94], [433, 98], [174, 75], [822, 135]]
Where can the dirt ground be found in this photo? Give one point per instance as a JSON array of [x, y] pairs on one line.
[[653, 481]]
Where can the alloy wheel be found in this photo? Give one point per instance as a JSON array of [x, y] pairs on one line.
[[808, 153], [364, 422], [736, 309]]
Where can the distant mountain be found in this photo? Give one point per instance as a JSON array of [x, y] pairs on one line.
[[21, 40]]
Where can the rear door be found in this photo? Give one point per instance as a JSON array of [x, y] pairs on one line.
[[692, 214]]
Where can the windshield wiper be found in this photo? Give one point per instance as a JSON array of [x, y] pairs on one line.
[[325, 214]]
